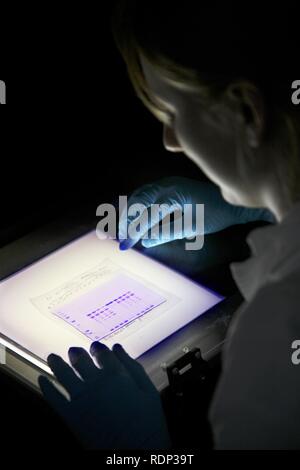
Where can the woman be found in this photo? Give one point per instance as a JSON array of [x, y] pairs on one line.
[[219, 78], [203, 72]]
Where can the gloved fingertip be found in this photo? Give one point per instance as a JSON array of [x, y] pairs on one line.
[[122, 246], [52, 358], [74, 354], [97, 346], [126, 244]]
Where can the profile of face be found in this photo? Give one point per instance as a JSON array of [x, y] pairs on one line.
[[218, 137]]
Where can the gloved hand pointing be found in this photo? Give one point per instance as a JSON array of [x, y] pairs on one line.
[[172, 194]]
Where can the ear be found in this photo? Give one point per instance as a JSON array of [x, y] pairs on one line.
[[249, 104]]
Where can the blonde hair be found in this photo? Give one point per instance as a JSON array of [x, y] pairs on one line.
[[132, 50]]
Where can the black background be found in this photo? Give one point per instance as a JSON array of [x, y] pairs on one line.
[[73, 131]]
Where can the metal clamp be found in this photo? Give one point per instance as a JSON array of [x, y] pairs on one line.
[[190, 364]]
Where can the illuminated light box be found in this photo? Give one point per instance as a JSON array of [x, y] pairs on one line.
[[90, 290]]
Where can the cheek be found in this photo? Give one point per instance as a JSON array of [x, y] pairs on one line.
[[203, 140]]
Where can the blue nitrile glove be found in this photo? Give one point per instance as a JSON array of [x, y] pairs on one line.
[[177, 192], [115, 407]]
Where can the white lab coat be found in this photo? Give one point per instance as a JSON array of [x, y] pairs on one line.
[[257, 401]]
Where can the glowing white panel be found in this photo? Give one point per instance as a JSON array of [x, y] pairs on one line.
[[91, 290]]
